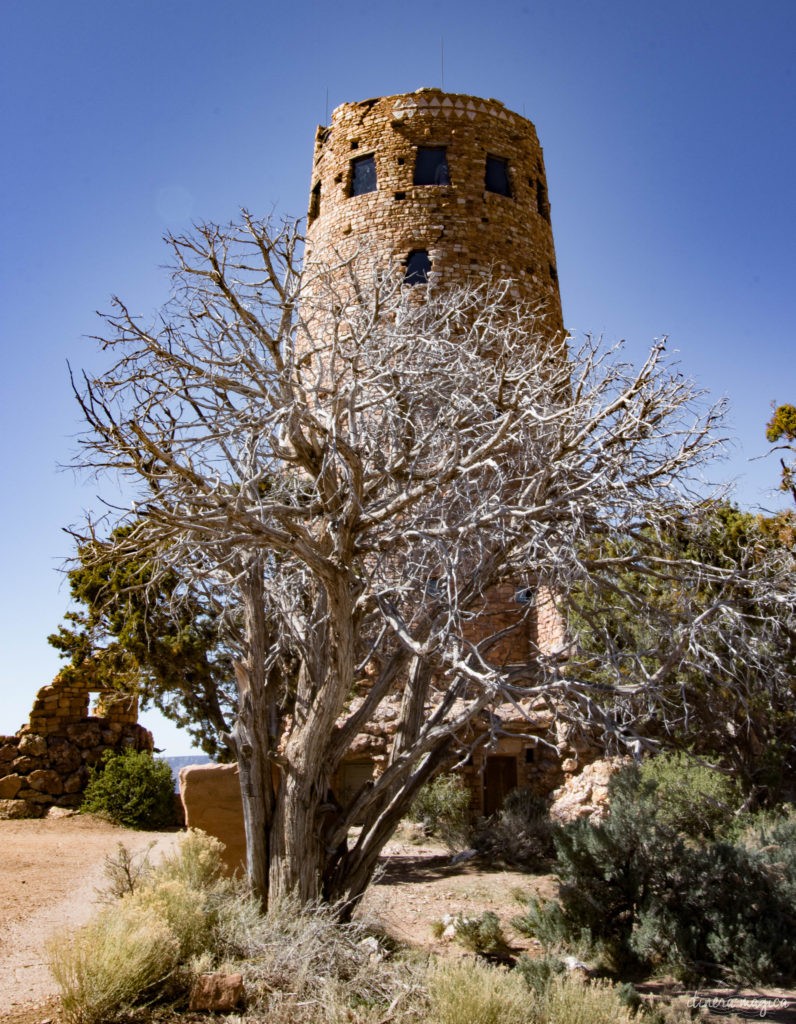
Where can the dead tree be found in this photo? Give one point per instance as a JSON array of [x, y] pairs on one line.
[[320, 446]]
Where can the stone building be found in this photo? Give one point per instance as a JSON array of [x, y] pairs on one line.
[[450, 187]]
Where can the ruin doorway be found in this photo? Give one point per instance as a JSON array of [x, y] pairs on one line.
[[500, 777]]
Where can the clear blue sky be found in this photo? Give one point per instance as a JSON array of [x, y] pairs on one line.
[[669, 133]]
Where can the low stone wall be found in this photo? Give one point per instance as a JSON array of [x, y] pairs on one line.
[[211, 799], [47, 762]]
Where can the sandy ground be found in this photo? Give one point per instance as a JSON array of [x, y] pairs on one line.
[[50, 870]]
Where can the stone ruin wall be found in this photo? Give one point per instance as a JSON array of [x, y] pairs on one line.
[[47, 762]]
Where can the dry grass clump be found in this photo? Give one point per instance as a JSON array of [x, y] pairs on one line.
[[472, 992], [134, 946], [302, 965], [113, 963], [571, 1001]]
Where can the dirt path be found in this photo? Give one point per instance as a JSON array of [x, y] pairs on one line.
[[49, 871]]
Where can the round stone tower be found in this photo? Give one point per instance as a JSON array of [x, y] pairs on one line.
[[449, 186]]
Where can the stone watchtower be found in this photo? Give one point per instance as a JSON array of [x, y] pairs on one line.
[[448, 185]]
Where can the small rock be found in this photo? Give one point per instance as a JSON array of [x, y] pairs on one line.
[[60, 812], [217, 993]]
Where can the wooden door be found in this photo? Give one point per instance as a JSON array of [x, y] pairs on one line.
[[500, 777]]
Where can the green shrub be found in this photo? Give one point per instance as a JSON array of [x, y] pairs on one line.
[[131, 788], [642, 895], [692, 798], [538, 972], [520, 834], [482, 934], [443, 808]]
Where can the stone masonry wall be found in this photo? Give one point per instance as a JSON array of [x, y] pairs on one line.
[[47, 762]]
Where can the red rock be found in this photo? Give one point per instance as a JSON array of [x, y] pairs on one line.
[[217, 993], [46, 782]]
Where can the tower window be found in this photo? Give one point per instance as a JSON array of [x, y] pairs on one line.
[[431, 166], [418, 266], [542, 204], [363, 175], [553, 273], [525, 595], [315, 202], [496, 178]]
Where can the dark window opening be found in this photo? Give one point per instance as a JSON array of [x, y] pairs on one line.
[[338, 179], [418, 266], [400, 195], [431, 166], [542, 204], [485, 220], [497, 176], [525, 595], [354, 145], [401, 161], [436, 587], [315, 202], [553, 274], [530, 753], [363, 175]]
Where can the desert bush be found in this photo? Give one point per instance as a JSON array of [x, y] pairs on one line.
[[538, 972], [520, 834], [111, 964], [197, 862], [569, 1000], [131, 788], [482, 934], [641, 895], [442, 806], [692, 798], [126, 954], [124, 871], [301, 964], [472, 992]]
